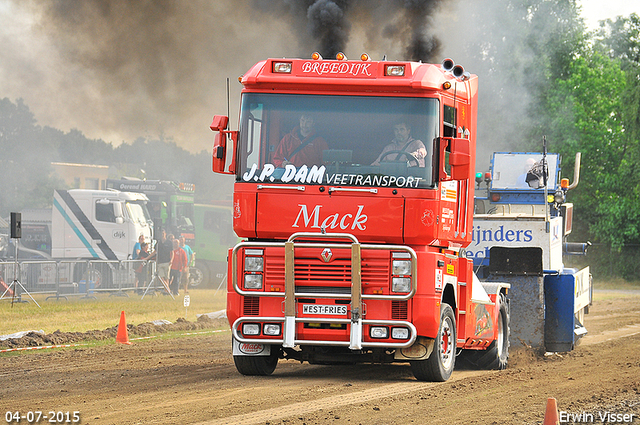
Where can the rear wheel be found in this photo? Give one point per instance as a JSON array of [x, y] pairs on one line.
[[439, 365], [497, 354], [196, 276], [258, 365]]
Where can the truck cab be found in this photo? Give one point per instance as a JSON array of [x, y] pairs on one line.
[[354, 196], [98, 224]]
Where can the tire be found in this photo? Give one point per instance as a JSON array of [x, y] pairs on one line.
[[258, 365], [196, 277], [439, 365], [497, 354]]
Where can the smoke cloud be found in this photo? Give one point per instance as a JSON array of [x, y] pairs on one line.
[[122, 69]]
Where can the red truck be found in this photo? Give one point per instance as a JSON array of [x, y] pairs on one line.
[[354, 198]]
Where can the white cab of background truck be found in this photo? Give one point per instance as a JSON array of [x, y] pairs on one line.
[[98, 224]]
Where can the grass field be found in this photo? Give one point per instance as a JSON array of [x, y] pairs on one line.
[[81, 315]]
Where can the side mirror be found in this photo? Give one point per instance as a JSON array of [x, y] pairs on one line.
[[460, 158], [219, 155], [454, 159], [219, 123]]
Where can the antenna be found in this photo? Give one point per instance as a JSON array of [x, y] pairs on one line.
[[544, 179], [228, 107]]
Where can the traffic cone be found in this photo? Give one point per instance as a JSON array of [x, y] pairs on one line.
[[122, 336], [551, 414]]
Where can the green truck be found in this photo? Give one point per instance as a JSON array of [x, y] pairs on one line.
[[214, 236], [207, 228]]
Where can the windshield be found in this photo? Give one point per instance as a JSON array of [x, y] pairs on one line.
[[138, 212], [338, 140], [523, 171]]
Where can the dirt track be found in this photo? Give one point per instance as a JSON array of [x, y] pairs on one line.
[[192, 380]]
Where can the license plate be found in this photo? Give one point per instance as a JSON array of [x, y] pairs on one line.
[[338, 310]]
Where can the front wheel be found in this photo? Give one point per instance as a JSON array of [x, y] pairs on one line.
[[439, 365], [258, 365]]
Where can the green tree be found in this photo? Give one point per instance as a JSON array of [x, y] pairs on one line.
[[518, 48], [25, 163]]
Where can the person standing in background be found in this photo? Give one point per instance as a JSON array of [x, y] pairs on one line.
[[164, 256], [177, 264], [184, 278]]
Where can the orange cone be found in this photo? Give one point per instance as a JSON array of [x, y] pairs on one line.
[[551, 414], [122, 336]]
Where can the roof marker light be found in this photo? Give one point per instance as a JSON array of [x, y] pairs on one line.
[[394, 70], [282, 67], [316, 56], [341, 56], [365, 57], [446, 85]]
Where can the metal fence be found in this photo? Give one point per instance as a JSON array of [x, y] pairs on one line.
[[76, 277]]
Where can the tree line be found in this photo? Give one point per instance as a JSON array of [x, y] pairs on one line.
[[581, 90], [27, 151]]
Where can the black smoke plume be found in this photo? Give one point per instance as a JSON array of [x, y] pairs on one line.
[[325, 25]]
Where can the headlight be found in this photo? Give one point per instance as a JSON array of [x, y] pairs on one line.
[[401, 284], [253, 281], [401, 267], [251, 329], [272, 329], [400, 333], [379, 332], [253, 264]]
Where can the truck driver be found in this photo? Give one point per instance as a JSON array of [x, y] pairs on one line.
[[403, 142]]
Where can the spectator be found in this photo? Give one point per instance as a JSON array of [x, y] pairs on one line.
[[142, 270], [178, 263], [164, 255], [137, 247], [184, 278]]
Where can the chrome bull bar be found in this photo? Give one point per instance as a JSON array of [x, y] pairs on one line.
[[356, 296]]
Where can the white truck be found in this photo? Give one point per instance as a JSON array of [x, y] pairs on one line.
[[85, 230], [98, 224]]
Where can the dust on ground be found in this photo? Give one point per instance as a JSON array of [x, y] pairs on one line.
[[193, 380]]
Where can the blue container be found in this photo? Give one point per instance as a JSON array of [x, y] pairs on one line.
[[559, 324], [84, 289]]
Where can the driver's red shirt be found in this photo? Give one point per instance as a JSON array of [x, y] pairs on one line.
[[309, 155]]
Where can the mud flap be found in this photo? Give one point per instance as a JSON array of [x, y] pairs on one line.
[[420, 350]]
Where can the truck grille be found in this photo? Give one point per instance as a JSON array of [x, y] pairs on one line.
[[315, 274]]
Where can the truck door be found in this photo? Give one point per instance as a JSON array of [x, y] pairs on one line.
[[111, 228]]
